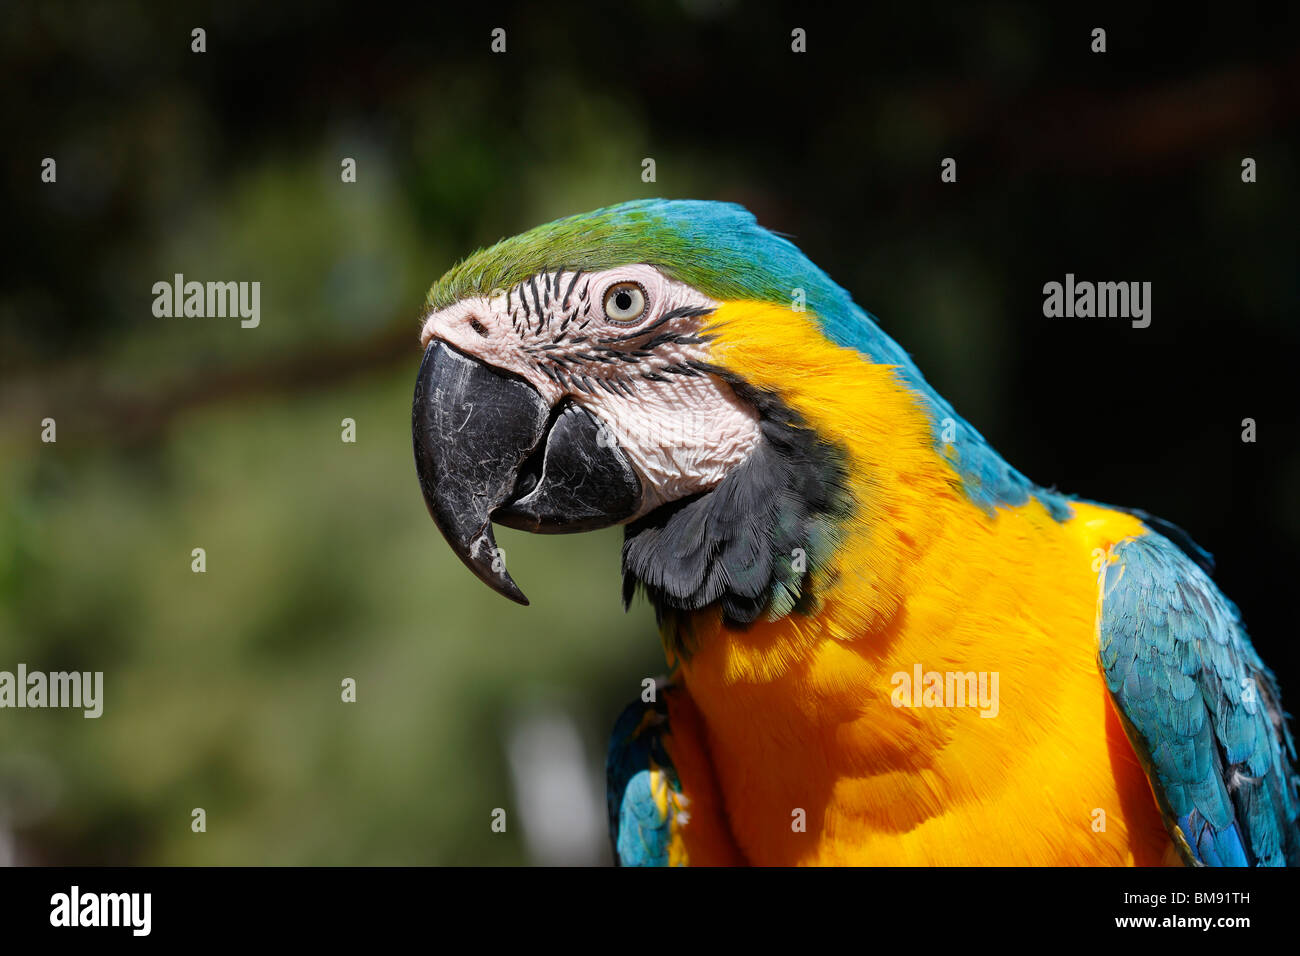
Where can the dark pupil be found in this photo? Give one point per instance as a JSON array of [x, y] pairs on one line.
[[623, 301]]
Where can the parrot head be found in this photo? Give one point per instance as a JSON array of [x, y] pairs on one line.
[[646, 365]]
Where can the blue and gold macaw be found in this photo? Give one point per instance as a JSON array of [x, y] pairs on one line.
[[889, 646]]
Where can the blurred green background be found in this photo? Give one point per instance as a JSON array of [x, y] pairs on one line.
[[222, 689]]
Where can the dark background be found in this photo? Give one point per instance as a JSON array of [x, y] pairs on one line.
[[222, 689]]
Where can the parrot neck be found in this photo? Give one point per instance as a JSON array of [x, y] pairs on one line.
[[847, 464]]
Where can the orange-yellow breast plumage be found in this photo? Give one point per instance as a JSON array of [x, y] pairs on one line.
[[799, 714]]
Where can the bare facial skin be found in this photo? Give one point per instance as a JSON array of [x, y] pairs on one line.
[[620, 343]]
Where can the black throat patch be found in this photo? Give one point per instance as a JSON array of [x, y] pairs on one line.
[[749, 544]]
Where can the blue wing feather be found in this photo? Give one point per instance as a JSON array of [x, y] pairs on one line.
[[1202, 711]]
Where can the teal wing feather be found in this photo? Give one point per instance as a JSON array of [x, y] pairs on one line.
[[641, 831], [1202, 711]]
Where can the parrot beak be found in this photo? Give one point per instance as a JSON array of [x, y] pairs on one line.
[[489, 448]]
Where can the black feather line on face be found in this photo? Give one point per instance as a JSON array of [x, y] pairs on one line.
[[569, 291], [665, 338], [537, 299], [691, 312], [734, 546], [635, 335], [523, 297]]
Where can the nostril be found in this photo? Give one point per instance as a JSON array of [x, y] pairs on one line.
[[477, 326]]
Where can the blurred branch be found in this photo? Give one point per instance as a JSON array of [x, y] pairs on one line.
[[92, 412]]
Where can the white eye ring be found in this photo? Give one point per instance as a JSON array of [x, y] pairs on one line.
[[625, 302]]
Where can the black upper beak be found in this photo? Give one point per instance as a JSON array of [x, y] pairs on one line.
[[488, 447]]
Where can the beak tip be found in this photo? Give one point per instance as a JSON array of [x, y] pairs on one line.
[[482, 555], [506, 587]]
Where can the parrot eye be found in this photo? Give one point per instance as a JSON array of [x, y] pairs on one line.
[[624, 302]]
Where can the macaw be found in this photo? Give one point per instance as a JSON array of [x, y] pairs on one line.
[[887, 645]]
